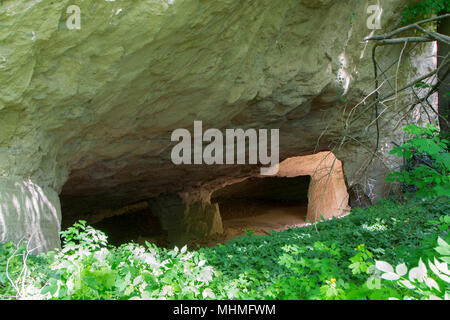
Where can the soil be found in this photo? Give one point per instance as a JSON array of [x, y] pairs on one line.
[[238, 218], [260, 219]]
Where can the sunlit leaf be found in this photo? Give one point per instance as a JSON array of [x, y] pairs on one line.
[[401, 269], [384, 266]]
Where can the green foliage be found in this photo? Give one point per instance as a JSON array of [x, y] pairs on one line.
[[360, 262], [7, 258], [431, 175], [19, 271], [80, 236], [419, 283], [302, 263], [336, 261], [443, 222], [249, 231], [424, 9], [422, 84], [87, 268], [129, 272]]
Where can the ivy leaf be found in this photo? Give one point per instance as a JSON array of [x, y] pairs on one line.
[[418, 273], [443, 248]]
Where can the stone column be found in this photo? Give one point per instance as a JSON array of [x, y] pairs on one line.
[[30, 213], [186, 221], [327, 193]]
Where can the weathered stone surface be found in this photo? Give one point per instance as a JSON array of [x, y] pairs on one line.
[[327, 193], [358, 198], [29, 213], [315, 3], [185, 222], [89, 112]]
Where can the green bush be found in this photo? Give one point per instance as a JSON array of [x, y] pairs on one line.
[[87, 268], [430, 172], [20, 271], [424, 9], [303, 263], [335, 259], [419, 282]]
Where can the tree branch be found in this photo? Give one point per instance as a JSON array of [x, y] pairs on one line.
[[408, 27]]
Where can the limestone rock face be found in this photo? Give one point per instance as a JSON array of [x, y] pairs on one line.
[[186, 222], [29, 214], [315, 3], [89, 112]]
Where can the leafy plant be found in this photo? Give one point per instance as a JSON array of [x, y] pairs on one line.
[[424, 9], [419, 282], [430, 174], [361, 261], [20, 271], [81, 236], [299, 263], [249, 231], [443, 223], [87, 268]]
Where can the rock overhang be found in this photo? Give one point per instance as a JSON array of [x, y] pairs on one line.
[[89, 112]]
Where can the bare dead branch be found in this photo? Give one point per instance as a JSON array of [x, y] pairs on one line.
[[409, 85], [415, 25]]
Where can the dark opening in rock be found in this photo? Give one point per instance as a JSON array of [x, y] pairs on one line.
[[263, 204], [137, 227], [306, 189]]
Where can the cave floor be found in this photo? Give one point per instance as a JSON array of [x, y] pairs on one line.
[[262, 220], [237, 218]]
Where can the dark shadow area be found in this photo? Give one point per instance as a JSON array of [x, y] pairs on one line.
[[257, 196], [261, 205], [137, 227]]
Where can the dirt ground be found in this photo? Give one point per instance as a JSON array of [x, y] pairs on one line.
[[262, 219], [239, 217]]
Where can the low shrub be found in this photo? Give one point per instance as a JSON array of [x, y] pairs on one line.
[[428, 162], [335, 259], [318, 262]]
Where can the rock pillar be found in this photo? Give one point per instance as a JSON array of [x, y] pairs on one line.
[[327, 194], [29, 213], [186, 221]]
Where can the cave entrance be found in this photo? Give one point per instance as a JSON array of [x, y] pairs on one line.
[[262, 204], [306, 189]]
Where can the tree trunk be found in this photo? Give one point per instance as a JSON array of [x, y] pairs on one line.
[[444, 88]]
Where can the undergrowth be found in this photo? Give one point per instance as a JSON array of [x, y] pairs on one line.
[[334, 260], [300, 263]]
